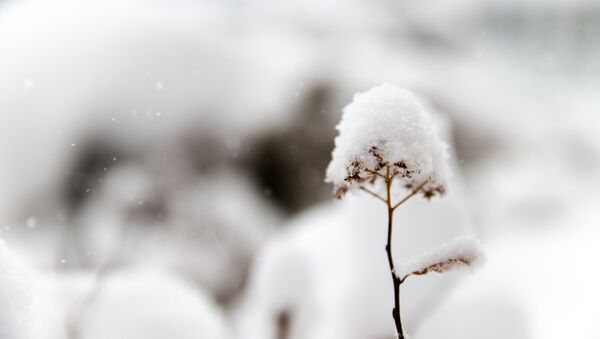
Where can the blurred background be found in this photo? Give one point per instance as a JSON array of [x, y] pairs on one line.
[[162, 166]]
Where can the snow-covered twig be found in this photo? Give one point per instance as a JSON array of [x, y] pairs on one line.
[[386, 135], [461, 252], [387, 126]]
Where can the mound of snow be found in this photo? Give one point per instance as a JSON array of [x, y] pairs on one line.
[[16, 299]]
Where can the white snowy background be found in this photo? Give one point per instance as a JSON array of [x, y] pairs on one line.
[[162, 166]]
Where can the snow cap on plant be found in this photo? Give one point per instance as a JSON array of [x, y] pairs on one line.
[[387, 127], [461, 252]]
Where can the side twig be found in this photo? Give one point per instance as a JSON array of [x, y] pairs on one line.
[[415, 191], [373, 194], [375, 173]]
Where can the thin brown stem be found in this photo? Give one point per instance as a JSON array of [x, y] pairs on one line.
[[373, 193], [404, 278], [415, 191], [388, 248], [375, 173], [396, 280]]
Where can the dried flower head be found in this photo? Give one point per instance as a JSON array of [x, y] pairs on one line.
[[387, 128]]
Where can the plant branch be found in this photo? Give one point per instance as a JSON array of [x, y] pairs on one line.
[[375, 173], [415, 191], [373, 194], [388, 248], [441, 266]]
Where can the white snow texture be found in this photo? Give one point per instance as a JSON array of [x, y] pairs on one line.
[[15, 299], [465, 251], [389, 121]]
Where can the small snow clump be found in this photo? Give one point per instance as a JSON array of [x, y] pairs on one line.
[[461, 252]]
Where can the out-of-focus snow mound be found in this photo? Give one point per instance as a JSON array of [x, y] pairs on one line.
[[509, 296], [150, 305], [140, 303], [136, 74], [209, 229], [16, 299]]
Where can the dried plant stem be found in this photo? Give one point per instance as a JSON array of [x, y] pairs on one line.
[[388, 249], [397, 281], [375, 173], [415, 191], [373, 193]]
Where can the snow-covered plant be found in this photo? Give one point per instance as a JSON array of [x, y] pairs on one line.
[[387, 129], [387, 141]]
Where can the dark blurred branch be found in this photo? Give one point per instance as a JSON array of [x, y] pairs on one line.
[[284, 320]]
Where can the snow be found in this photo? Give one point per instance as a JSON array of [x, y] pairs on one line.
[[467, 314], [460, 252], [16, 298], [219, 220], [519, 79], [387, 125], [152, 304], [228, 220], [328, 268], [171, 64], [129, 303]]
